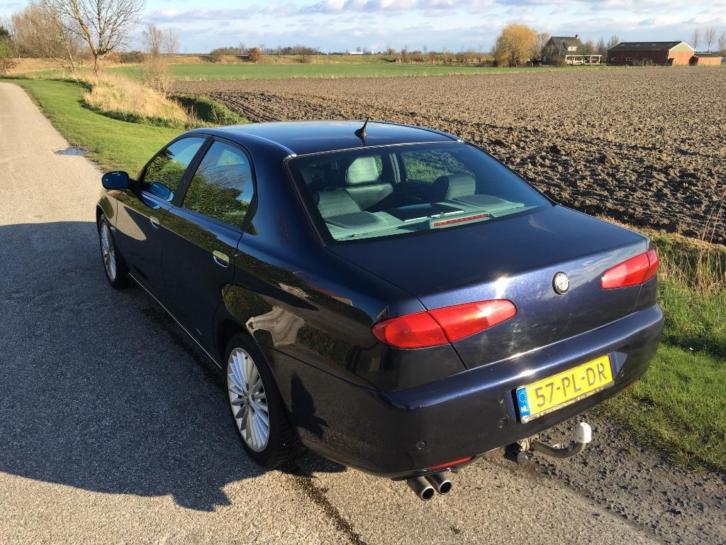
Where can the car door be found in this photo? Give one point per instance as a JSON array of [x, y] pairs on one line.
[[144, 208], [205, 231]]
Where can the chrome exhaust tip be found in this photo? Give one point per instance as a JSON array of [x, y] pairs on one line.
[[441, 484], [421, 488]]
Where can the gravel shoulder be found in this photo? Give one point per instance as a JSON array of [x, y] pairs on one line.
[[115, 431]]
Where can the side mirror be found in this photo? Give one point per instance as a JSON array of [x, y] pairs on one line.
[[116, 180]]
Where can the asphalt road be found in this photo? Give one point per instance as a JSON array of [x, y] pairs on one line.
[[114, 430]]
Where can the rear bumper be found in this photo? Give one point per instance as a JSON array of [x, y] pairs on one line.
[[399, 434]]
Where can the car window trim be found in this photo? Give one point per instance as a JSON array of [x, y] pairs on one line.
[[189, 174]]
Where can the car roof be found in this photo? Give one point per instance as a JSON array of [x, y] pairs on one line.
[[303, 137]]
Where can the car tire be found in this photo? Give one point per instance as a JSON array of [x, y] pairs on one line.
[[256, 407], [113, 264]]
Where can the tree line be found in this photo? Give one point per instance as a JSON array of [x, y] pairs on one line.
[[708, 37]]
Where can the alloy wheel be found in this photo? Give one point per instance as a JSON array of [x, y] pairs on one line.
[[108, 251], [248, 400]]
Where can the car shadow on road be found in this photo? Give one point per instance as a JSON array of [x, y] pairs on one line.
[[100, 389]]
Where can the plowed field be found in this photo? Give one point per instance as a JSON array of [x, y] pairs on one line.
[[646, 146]]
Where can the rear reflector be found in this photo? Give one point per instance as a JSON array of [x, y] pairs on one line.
[[453, 463], [632, 272], [442, 325]]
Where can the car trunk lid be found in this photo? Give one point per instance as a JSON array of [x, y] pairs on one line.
[[513, 258]]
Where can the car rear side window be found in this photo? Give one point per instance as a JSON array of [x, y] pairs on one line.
[[413, 188], [164, 172], [222, 187]]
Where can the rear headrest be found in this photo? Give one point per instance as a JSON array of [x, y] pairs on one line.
[[362, 170], [455, 185]]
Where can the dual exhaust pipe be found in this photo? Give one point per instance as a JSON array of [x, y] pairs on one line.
[[425, 487]]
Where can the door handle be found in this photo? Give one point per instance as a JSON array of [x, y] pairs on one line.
[[220, 258], [154, 222]]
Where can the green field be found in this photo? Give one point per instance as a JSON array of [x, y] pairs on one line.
[[210, 72], [678, 406], [244, 71]]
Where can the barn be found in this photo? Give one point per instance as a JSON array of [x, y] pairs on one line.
[[638, 53], [706, 59]]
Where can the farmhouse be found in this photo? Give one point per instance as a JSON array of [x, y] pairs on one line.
[[706, 59], [566, 50], [637, 53]]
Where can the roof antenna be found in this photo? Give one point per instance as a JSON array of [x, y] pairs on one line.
[[361, 133]]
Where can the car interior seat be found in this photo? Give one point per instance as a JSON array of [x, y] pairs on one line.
[[365, 182]]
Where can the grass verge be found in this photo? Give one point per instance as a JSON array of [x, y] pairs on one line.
[[208, 110], [677, 407], [128, 100]]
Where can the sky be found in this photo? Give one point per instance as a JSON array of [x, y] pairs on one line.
[[454, 25]]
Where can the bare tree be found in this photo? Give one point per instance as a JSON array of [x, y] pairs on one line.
[[542, 39], [155, 71], [38, 32], [171, 42], [602, 49], [588, 48], [709, 36], [613, 41], [103, 25], [722, 43], [153, 38], [158, 41], [695, 38]]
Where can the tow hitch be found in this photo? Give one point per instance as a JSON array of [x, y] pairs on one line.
[[522, 450]]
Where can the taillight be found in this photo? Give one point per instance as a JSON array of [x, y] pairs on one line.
[[632, 272], [443, 325]]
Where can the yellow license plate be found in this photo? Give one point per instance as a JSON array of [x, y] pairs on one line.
[[556, 391]]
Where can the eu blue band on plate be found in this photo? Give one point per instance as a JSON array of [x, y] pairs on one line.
[[522, 401]]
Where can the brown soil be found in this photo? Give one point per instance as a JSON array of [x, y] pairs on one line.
[[646, 146]]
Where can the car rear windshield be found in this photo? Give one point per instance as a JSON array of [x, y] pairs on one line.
[[392, 190]]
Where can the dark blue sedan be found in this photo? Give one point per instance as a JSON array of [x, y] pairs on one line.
[[389, 296]]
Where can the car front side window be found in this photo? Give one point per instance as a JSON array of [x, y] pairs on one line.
[[222, 187], [164, 173]]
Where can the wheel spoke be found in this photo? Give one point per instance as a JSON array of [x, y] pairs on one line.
[[260, 405], [235, 389], [263, 418], [248, 428]]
